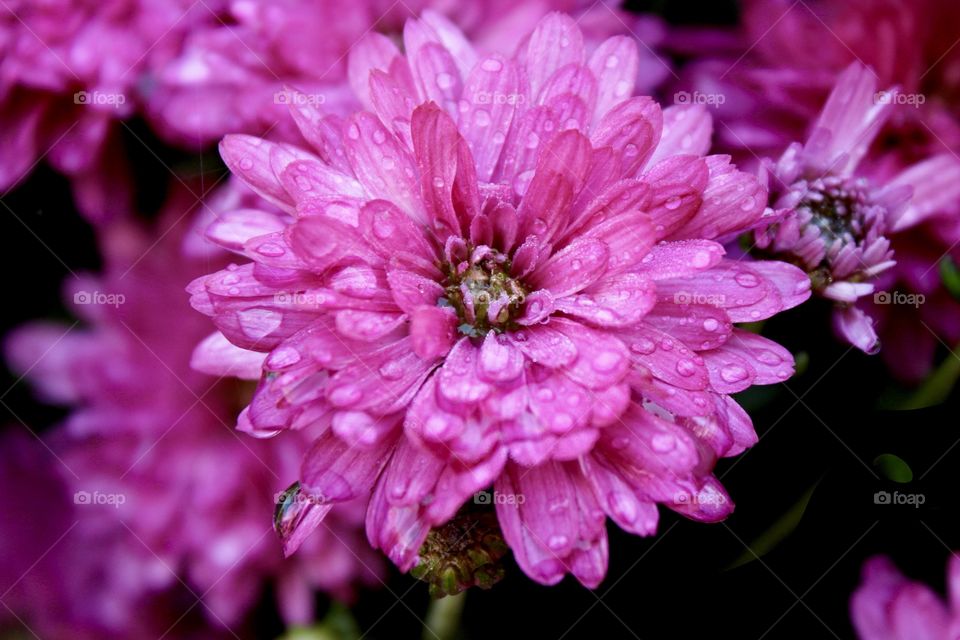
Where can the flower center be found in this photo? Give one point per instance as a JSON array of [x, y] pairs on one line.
[[484, 295], [841, 209]]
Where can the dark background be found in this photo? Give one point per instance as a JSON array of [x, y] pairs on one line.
[[820, 434]]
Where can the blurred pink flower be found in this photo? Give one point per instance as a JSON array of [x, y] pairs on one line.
[[834, 221], [502, 272], [233, 73], [144, 426], [888, 606], [69, 70]]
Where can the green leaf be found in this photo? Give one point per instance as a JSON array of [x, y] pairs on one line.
[[893, 468]]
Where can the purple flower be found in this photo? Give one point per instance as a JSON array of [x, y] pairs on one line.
[[888, 606], [832, 219], [503, 272], [175, 500]]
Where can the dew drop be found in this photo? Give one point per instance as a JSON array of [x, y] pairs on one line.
[[733, 373], [492, 64]]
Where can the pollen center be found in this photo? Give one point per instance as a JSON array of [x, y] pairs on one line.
[[484, 295]]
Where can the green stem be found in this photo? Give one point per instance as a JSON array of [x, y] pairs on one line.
[[443, 617]]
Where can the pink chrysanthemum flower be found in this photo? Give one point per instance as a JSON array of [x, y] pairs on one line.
[[889, 606], [69, 70], [232, 73], [833, 221], [503, 272], [145, 426]]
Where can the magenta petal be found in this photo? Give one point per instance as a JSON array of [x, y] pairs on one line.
[[545, 345], [702, 326], [489, 100], [732, 201], [632, 129], [249, 158], [573, 268], [544, 57], [309, 181], [388, 231], [458, 378], [411, 291], [447, 173], [323, 242], [411, 475], [367, 326], [856, 327], [361, 429], [729, 371], [771, 362], [615, 64], [631, 512], [456, 485], [676, 184], [686, 131], [384, 381], [399, 531], [629, 238], [311, 518], [337, 472], [322, 131], [382, 164], [602, 359], [436, 76], [219, 357], [373, 51], [432, 331], [791, 283], [665, 358], [685, 258], [499, 360], [233, 228], [613, 301], [559, 176]]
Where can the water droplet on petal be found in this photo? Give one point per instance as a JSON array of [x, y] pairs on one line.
[[271, 250], [557, 542], [686, 368], [663, 443], [733, 373], [492, 65]]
